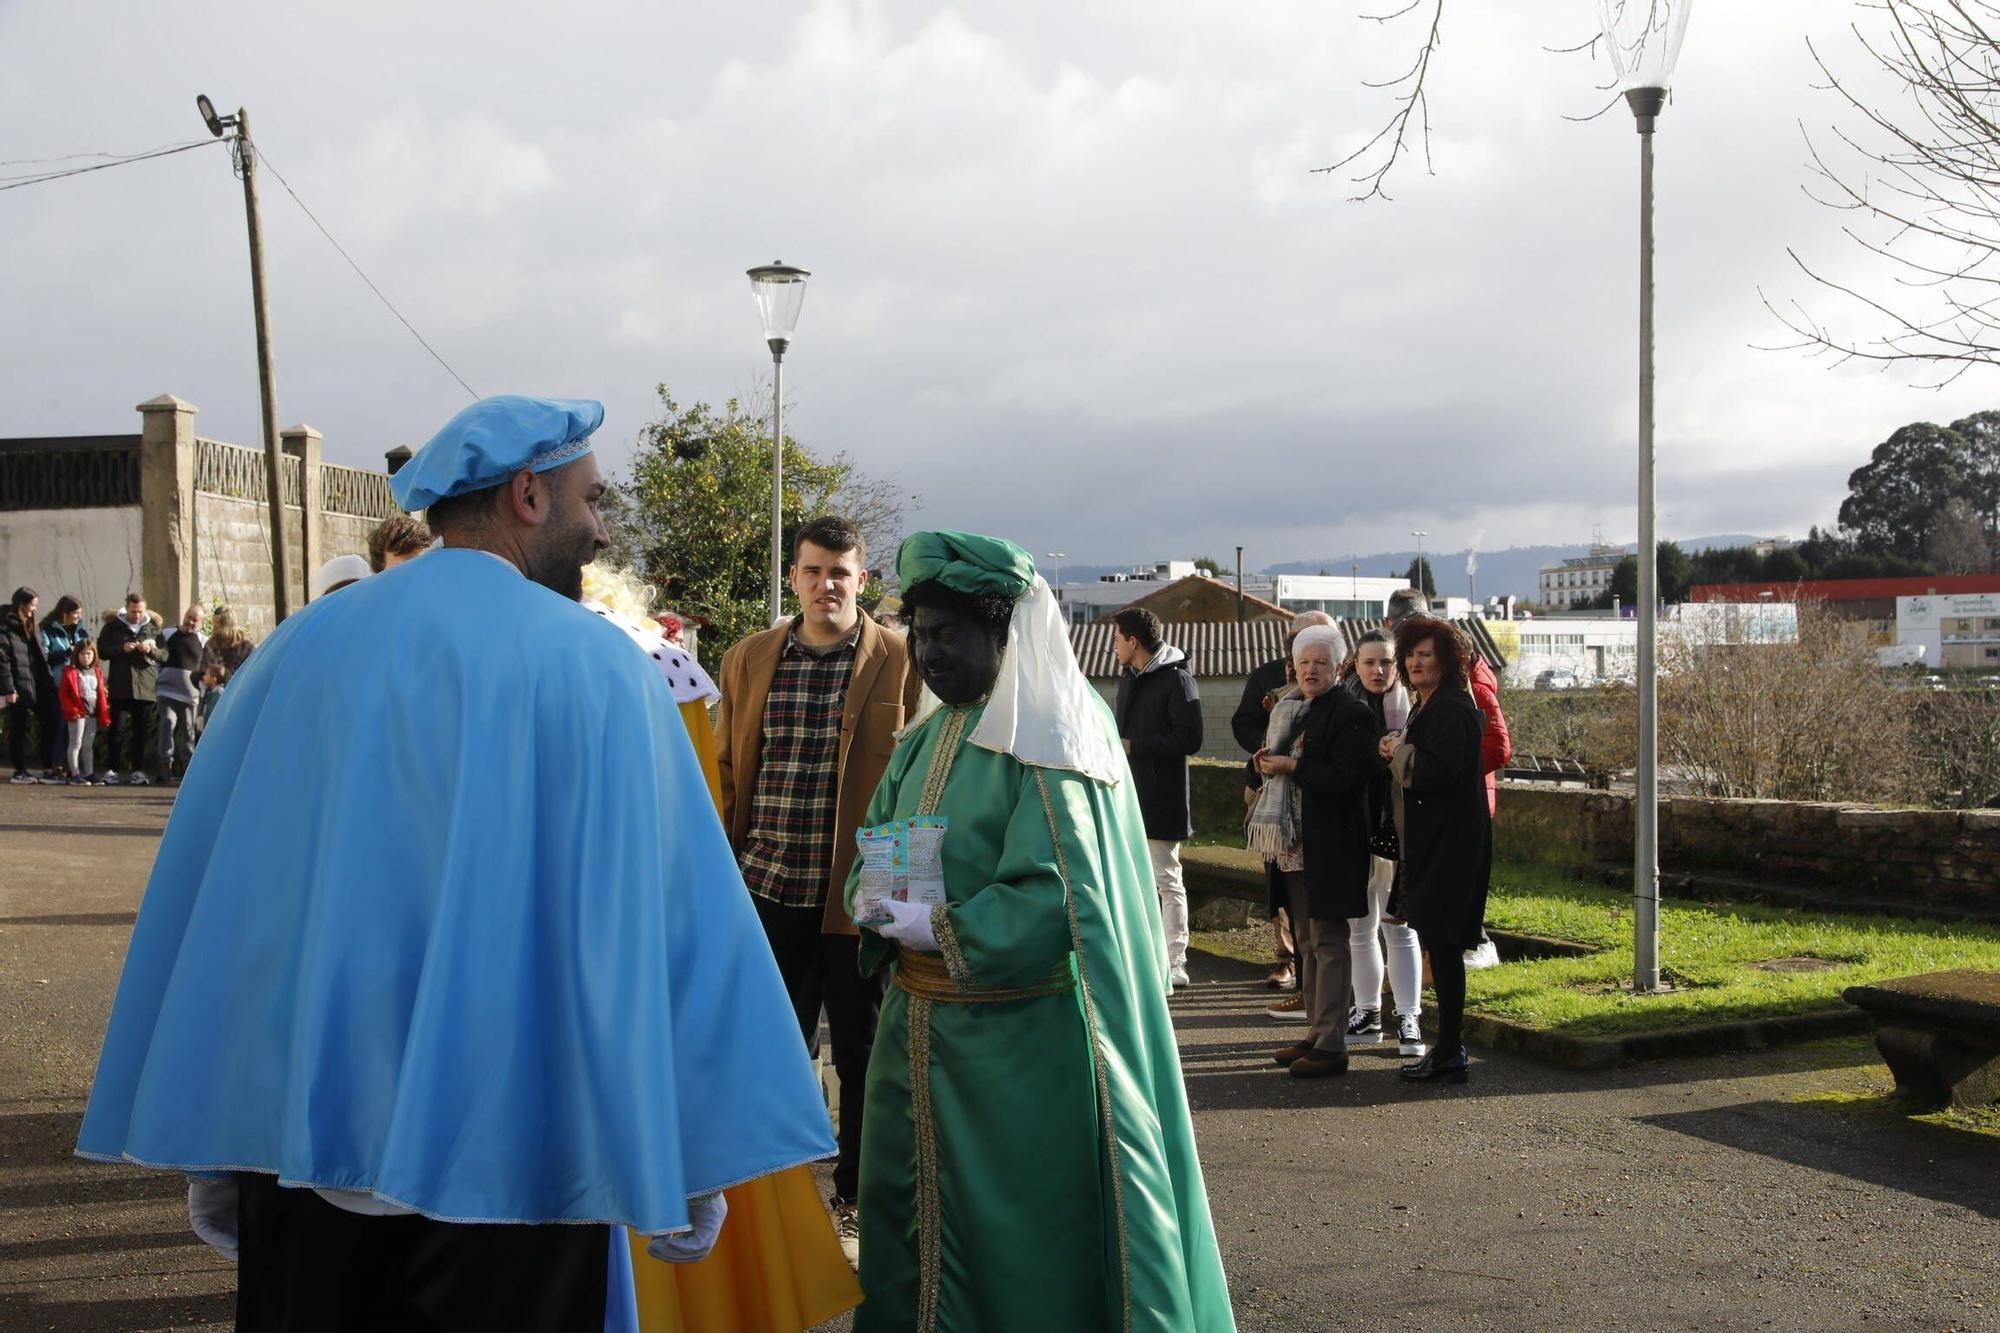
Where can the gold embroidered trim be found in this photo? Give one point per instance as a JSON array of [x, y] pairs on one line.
[[950, 732], [954, 956], [1108, 1124], [927, 975], [929, 1223]]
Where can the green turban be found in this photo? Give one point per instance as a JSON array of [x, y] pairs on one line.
[[965, 562]]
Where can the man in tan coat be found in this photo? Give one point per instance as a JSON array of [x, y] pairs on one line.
[[809, 714]]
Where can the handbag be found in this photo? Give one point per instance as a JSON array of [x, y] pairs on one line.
[[1382, 842]]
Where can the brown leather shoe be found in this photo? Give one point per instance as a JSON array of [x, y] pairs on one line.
[[1318, 1064], [1282, 977], [1298, 1050]]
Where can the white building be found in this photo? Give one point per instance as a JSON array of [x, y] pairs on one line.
[[1951, 629], [1342, 596], [1571, 650], [1580, 579]]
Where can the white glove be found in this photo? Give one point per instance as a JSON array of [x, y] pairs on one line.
[[705, 1214], [910, 924], [212, 1213]]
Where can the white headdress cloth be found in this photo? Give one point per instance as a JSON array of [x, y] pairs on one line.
[[1042, 711]]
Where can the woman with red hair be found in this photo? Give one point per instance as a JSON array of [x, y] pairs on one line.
[[1442, 823]]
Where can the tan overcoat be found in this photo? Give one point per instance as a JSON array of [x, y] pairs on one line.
[[881, 695]]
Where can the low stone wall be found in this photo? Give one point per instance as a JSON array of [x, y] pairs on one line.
[[1925, 860]]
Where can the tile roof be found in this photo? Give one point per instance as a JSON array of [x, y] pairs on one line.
[[1225, 648]]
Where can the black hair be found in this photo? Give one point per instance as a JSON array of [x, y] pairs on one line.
[[831, 532], [1407, 602], [1136, 622], [993, 611], [466, 510]]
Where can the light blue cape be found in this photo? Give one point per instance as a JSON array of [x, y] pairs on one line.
[[444, 913]]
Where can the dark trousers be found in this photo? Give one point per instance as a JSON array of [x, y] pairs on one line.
[[822, 971], [131, 724], [305, 1266], [20, 717], [1448, 980]]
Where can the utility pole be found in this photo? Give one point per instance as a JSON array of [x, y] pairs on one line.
[[1239, 585], [245, 152]]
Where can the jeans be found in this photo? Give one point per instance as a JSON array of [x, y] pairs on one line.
[[176, 744], [1405, 961], [131, 720], [820, 970], [1173, 897]]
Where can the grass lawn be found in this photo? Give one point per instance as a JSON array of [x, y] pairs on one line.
[[1710, 951]]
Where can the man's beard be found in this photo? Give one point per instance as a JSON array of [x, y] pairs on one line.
[[557, 561]]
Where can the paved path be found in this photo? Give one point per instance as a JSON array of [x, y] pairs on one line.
[[1686, 1195]]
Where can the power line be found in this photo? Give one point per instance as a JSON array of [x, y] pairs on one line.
[[265, 158], [41, 178], [71, 157]]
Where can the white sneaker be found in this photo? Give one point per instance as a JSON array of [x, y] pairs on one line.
[[1409, 1036], [139, 780], [108, 778], [1482, 956], [23, 779], [847, 1226], [1179, 976]]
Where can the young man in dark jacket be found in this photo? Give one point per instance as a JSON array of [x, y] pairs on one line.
[[1159, 717]]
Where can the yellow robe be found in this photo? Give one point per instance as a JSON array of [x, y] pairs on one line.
[[777, 1267]]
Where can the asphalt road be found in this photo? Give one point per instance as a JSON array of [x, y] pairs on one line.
[[1719, 1194]]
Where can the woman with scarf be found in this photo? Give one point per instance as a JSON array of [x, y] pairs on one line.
[[1442, 824], [1312, 818], [1369, 674]]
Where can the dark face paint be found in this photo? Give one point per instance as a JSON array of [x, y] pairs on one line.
[[956, 656]]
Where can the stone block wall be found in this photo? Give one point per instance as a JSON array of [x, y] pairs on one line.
[[1930, 860]]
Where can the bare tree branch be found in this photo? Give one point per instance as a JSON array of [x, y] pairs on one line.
[[1413, 101], [1921, 177]]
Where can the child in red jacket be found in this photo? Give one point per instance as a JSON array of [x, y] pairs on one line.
[[86, 705]]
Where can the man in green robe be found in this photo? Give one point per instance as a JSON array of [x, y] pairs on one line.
[[1028, 1161]]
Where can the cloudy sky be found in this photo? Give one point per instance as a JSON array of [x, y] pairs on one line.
[[1073, 279]]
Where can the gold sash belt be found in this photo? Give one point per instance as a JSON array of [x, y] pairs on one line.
[[925, 976]]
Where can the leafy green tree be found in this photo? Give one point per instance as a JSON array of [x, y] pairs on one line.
[[1413, 573], [1893, 500], [694, 517], [1208, 565], [1675, 573]]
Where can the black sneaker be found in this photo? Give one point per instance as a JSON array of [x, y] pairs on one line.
[[1409, 1035], [1365, 1025]]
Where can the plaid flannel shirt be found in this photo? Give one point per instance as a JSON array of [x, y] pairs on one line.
[[788, 853]]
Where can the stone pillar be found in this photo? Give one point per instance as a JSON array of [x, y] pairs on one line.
[[166, 504], [303, 443], [397, 457]]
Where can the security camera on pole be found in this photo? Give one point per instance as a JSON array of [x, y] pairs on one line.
[[245, 153]]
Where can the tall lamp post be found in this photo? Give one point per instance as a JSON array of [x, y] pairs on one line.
[[267, 382], [1643, 39], [780, 290], [1418, 581], [1057, 556]]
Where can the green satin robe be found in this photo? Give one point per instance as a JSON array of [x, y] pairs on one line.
[[1029, 1163]]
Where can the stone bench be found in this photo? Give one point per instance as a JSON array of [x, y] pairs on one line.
[[1939, 1034]]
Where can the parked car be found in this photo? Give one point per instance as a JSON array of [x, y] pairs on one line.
[[1556, 678]]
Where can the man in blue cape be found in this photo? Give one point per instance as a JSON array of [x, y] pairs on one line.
[[445, 968]]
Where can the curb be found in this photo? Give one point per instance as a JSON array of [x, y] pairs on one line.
[[1598, 1053]]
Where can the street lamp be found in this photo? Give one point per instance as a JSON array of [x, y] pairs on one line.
[[1418, 581], [780, 290], [1057, 556], [1643, 38]]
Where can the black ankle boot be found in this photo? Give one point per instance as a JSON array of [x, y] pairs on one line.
[[1442, 1063]]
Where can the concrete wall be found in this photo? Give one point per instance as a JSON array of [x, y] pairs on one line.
[[1219, 697], [232, 558], [1925, 860], [90, 554]]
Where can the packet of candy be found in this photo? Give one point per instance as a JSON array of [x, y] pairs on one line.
[[883, 855], [924, 859]]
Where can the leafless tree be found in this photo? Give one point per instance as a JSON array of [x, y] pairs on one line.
[[1920, 173], [1958, 543], [1394, 138]]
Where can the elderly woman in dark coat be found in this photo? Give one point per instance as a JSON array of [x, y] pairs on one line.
[[1327, 770], [1442, 822]]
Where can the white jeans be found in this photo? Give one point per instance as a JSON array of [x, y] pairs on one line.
[[1173, 897], [1364, 945]]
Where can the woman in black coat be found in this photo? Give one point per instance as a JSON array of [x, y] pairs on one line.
[[1442, 822], [1331, 767], [27, 687]]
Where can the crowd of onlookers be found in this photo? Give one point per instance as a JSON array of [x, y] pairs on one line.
[[124, 701], [1369, 797]]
